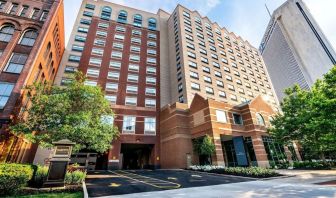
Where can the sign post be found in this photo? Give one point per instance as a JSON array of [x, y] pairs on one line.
[[58, 163]]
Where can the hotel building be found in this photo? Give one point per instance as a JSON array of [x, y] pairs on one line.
[[295, 48], [172, 78], [31, 47]]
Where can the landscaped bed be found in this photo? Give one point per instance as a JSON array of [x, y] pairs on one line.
[[18, 180], [255, 172]]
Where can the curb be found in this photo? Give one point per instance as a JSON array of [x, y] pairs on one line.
[[85, 192], [216, 174]]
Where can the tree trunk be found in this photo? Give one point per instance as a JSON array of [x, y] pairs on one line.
[[322, 156]]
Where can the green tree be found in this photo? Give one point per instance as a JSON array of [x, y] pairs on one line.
[[204, 146], [309, 116], [76, 112]]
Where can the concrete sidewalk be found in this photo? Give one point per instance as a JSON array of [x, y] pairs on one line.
[[301, 184]]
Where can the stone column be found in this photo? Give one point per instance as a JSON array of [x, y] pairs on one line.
[[260, 151]]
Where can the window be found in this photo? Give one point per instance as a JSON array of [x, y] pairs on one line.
[[131, 89], [134, 58], [111, 98], [2, 4], [133, 67], [206, 69], [221, 116], [44, 15], [5, 91], [90, 83], [220, 83], [35, 13], [97, 51], [99, 42], [129, 124], [237, 119], [260, 119], [222, 94], [77, 48], [86, 22], [136, 40], [101, 33], [218, 74], [137, 20], [150, 126], [24, 10], [132, 101], [132, 78], [106, 13], [150, 80], [136, 32], [95, 61], [13, 8], [103, 25], [92, 72], [152, 24], [83, 30], [234, 97], [150, 91], [150, 103], [150, 70], [207, 79], [151, 52], [74, 58], [151, 36], [151, 44], [192, 64], [113, 75], [195, 86], [90, 6], [204, 60], [87, 13], [122, 16], [151, 60], [111, 87], [118, 46], [120, 29], [209, 90], [116, 55], [193, 75], [16, 63], [80, 38], [6, 33], [135, 49], [231, 87], [119, 37]]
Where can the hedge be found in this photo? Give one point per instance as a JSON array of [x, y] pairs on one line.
[[256, 172], [13, 177]]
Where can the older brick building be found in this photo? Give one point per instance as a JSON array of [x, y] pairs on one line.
[[31, 47], [239, 133]]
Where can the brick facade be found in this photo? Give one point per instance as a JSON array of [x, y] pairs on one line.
[[180, 124], [43, 58]]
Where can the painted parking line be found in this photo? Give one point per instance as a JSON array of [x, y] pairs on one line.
[[158, 183]]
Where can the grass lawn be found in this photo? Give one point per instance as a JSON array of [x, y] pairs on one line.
[[54, 195]]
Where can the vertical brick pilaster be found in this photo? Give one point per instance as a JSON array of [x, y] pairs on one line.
[[218, 157], [260, 151]]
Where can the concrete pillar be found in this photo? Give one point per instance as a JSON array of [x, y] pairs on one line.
[[218, 157], [114, 161], [260, 151]]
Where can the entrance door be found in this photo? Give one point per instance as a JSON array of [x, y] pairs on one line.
[[136, 156]]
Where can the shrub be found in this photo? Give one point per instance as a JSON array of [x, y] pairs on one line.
[[13, 177], [75, 177], [40, 175], [319, 165], [257, 172]]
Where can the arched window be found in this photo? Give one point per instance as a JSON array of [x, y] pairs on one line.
[[152, 24], [137, 20], [260, 119], [122, 17], [29, 37], [106, 13], [6, 33]]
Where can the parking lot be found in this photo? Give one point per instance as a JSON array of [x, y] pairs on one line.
[[119, 182]]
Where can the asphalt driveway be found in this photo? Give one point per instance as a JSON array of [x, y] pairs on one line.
[[119, 182]]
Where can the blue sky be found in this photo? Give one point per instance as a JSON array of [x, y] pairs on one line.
[[247, 18]]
